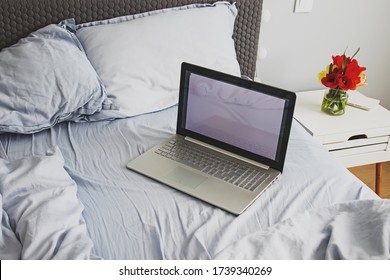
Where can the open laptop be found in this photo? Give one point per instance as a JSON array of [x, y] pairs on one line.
[[231, 140]]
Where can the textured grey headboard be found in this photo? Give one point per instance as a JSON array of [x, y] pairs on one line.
[[20, 17]]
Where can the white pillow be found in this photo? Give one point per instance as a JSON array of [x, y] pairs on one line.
[[138, 57]]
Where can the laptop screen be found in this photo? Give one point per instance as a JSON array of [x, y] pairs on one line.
[[237, 116], [247, 116]]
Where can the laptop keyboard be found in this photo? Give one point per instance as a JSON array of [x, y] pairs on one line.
[[242, 175]]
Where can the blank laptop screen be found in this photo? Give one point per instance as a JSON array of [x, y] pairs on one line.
[[238, 116]]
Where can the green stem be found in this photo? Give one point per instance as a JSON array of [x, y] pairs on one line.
[[334, 102], [355, 53]]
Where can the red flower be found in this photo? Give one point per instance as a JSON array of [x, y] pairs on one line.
[[344, 73], [331, 80]]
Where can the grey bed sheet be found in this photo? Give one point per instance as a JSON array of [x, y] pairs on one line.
[[129, 216]]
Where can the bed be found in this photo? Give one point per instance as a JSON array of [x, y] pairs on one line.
[[88, 85]]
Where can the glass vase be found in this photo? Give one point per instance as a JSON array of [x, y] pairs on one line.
[[334, 102]]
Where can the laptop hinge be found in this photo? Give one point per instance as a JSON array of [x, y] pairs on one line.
[[266, 167]]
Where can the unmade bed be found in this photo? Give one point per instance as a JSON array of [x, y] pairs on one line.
[[86, 86]]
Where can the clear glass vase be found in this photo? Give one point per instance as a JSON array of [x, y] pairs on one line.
[[334, 102]]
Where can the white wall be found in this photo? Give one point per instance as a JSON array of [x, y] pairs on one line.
[[300, 45]]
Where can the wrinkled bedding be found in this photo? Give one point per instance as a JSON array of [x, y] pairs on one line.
[[41, 214], [351, 230], [129, 216]]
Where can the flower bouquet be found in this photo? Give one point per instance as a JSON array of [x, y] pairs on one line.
[[343, 74]]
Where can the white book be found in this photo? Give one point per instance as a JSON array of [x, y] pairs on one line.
[[361, 101]]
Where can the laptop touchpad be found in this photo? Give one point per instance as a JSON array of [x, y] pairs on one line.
[[186, 177]]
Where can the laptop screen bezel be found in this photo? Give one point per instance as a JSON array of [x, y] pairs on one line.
[[288, 96]]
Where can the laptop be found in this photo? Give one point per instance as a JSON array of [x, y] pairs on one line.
[[230, 143]]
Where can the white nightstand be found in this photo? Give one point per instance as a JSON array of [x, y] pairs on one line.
[[356, 138]]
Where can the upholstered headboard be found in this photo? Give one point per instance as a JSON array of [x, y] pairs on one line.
[[18, 18]]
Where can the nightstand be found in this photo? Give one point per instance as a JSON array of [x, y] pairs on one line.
[[356, 138]]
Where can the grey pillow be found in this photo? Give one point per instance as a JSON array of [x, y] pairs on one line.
[[46, 78]]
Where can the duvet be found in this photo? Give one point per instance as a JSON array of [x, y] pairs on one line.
[[41, 214]]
